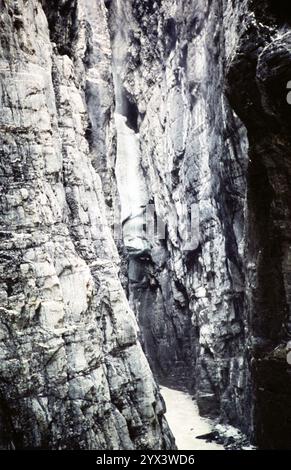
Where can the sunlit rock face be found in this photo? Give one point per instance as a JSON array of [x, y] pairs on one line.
[[72, 373]]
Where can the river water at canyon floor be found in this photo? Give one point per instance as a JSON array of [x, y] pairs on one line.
[[185, 422]]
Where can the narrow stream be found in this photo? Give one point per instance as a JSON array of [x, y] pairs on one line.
[[185, 422]]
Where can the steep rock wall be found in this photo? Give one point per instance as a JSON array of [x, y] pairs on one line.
[[208, 83], [72, 373], [257, 86], [188, 290]]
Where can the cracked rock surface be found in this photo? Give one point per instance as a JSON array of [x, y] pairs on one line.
[[72, 373]]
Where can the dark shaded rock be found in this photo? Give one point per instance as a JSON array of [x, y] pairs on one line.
[[264, 109]]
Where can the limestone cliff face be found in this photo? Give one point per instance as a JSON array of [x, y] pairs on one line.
[[72, 373]]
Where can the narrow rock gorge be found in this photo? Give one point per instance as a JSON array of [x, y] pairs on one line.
[[145, 220]]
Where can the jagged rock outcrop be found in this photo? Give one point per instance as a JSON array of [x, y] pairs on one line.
[[72, 373]]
